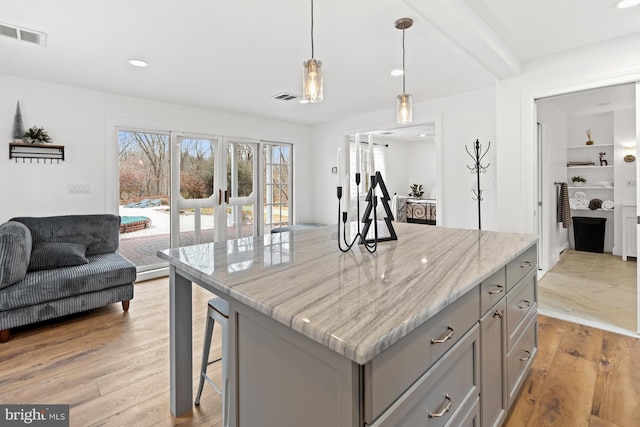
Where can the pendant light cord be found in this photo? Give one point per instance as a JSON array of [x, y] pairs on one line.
[[312, 57], [403, 72]]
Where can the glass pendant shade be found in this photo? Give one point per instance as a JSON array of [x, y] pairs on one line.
[[312, 81], [404, 109]]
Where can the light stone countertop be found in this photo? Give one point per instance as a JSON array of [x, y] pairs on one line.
[[357, 304]]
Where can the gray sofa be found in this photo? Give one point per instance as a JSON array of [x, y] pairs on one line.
[[60, 265]]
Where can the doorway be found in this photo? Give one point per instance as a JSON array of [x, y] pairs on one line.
[[177, 189], [595, 289]]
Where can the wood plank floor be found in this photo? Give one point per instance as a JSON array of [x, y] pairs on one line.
[[581, 377], [113, 369]]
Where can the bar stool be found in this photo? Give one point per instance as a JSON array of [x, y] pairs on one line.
[[218, 311]]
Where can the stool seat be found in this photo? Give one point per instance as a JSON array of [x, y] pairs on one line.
[[218, 311], [220, 305]]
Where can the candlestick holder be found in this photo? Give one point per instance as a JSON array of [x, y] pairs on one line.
[[344, 216], [344, 244]]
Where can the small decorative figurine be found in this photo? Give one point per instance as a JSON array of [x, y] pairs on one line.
[[603, 161]]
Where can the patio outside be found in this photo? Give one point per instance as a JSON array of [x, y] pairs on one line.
[[140, 246]]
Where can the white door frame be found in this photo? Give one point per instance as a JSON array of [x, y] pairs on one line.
[[529, 120]]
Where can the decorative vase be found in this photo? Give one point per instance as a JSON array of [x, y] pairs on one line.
[[589, 142], [577, 184]]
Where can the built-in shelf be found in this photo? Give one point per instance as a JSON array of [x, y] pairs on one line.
[[37, 152], [587, 209], [590, 188], [591, 146], [589, 167]]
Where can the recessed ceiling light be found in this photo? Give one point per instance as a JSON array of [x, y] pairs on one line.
[[603, 104], [138, 63], [623, 4], [422, 135], [397, 73]]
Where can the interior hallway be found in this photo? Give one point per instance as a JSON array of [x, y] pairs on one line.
[[592, 289]]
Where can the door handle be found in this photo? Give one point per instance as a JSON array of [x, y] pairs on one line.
[[226, 196], [219, 196]]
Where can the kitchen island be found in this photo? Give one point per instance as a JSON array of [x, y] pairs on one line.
[[320, 338]]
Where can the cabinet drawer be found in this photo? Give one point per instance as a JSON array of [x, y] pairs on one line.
[[522, 265], [392, 372], [520, 302], [521, 356], [443, 395], [492, 289]]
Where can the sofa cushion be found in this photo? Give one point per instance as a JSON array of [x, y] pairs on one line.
[[100, 233], [15, 252], [104, 271], [55, 255]]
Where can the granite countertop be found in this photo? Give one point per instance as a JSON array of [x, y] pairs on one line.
[[356, 303]]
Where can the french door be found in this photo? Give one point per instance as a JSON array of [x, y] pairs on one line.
[[214, 187]]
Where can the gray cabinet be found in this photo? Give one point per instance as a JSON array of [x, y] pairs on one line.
[[508, 335], [462, 367], [493, 351]]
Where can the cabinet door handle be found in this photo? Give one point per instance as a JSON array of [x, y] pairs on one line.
[[498, 313], [526, 357], [524, 304], [496, 289], [525, 264], [443, 338], [443, 409]]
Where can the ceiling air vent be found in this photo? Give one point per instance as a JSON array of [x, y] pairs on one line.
[[284, 96], [23, 34]]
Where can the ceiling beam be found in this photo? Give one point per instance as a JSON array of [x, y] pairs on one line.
[[457, 21]]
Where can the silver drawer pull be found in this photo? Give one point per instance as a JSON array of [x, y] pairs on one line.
[[498, 313], [443, 409], [524, 304], [526, 356], [525, 264], [443, 338], [496, 289]]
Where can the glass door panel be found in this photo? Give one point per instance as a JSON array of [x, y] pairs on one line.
[[240, 201], [144, 193], [196, 198], [277, 192]]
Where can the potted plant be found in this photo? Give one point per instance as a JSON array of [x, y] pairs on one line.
[[578, 181], [37, 135], [416, 191]]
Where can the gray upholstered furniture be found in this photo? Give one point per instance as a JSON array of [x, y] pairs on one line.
[[60, 265]]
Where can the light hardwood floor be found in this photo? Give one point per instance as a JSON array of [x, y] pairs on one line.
[[113, 369]]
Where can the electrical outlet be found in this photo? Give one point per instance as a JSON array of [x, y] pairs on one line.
[[79, 188], [631, 183]]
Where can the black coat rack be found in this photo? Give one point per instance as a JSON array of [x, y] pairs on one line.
[[478, 168]]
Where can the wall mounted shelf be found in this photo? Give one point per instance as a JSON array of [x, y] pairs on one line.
[[31, 152]]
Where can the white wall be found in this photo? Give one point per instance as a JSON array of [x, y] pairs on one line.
[[82, 120], [586, 68], [411, 162], [398, 155], [462, 119]]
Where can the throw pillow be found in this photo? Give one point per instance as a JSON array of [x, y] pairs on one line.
[[15, 251], [55, 255]]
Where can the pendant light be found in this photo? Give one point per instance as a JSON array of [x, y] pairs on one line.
[[312, 74], [404, 102]]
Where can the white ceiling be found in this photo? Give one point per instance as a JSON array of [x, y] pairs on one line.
[[597, 101], [234, 55]]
